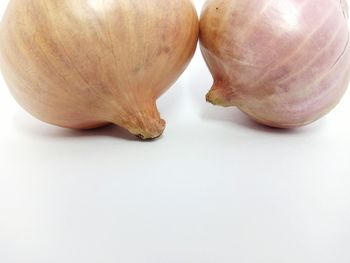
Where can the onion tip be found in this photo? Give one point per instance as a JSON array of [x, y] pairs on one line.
[[145, 124], [220, 96]]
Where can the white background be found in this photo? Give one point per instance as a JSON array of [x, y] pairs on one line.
[[215, 188]]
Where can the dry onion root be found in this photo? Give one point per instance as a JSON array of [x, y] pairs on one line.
[[285, 63], [86, 63]]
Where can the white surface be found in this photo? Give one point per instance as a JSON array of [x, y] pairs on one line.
[[216, 188]]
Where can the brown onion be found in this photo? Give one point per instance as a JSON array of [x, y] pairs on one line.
[[86, 63], [285, 63]]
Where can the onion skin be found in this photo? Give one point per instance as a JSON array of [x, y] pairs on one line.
[[86, 63], [284, 63]]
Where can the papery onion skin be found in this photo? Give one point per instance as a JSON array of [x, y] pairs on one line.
[[285, 63], [86, 63]]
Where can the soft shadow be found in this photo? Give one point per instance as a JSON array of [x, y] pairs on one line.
[[30, 126], [170, 102], [111, 130], [199, 81]]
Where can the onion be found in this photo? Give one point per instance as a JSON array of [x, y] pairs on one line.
[[87, 63], [285, 63]]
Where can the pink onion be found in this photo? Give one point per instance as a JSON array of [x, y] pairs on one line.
[[285, 63]]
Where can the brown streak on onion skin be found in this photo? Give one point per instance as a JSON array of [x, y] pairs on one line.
[[286, 67], [85, 63]]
